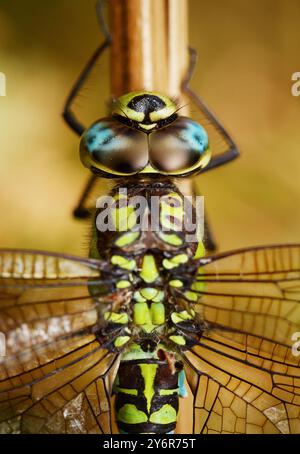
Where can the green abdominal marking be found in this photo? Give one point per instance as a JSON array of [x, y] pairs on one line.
[[142, 403]]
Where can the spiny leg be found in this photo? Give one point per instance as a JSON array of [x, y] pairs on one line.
[[209, 239], [232, 151], [81, 212]]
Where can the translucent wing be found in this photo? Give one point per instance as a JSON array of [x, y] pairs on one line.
[[244, 371], [254, 291], [54, 377]]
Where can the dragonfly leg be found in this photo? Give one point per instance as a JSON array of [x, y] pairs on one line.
[[81, 211], [209, 240], [68, 113], [232, 151]]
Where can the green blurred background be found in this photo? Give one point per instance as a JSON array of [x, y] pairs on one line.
[[248, 52]]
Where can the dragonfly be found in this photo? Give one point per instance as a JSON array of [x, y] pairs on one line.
[[112, 339]]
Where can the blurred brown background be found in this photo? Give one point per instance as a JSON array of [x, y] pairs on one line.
[[248, 52]]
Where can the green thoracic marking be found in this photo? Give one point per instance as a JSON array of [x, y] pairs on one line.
[[149, 272], [170, 211], [148, 372], [200, 252], [131, 392], [178, 317], [149, 327], [166, 218], [165, 415], [116, 317], [175, 261], [129, 414], [127, 239], [176, 283], [180, 258], [179, 340], [141, 314], [170, 238], [123, 262], [123, 218], [123, 284], [137, 296], [169, 199], [149, 292], [168, 392], [191, 296], [157, 311], [121, 340], [159, 297], [198, 286]]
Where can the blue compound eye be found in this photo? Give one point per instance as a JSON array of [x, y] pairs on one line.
[[180, 148], [113, 148]]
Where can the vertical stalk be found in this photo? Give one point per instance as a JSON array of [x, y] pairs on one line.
[[150, 42]]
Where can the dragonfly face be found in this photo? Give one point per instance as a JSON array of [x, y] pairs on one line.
[[145, 135], [144, 111]]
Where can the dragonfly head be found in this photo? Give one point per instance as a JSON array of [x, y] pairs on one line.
[[144, 135]]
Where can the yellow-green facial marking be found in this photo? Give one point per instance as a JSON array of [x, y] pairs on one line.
[[144, 108]]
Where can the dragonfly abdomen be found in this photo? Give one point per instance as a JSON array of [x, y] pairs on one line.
[[147, 392]]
